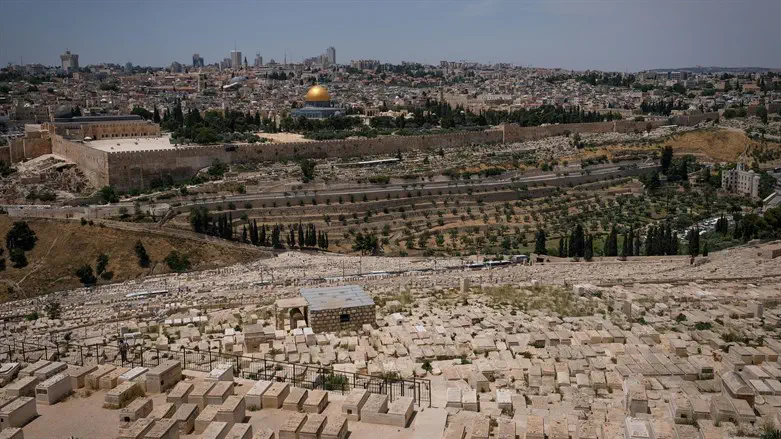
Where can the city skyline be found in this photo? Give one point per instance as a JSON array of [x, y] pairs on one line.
[[604, 35]]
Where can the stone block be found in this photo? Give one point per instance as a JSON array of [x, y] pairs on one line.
[[185, 417], [206, 417], [178, 395], [295, 399], [219, 392], [24, 386], [136, 430], [163, 429], [316, 401], [111, 379], [353, 403], [199, 392], [163, 411], [139, 408], [232, 411], [78, 375], [292, 426], [215, 430], [18, 412], [93, 378], [254, 396], [164, 376], [122, 395], [275, 396], [240, 431]]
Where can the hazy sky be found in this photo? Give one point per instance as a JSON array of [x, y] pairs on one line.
[[579, 34]]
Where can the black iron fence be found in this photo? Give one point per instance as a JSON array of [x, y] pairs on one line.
[[298, 375]]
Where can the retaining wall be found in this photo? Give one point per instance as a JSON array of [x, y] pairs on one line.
[[137, 169], [92, 162]]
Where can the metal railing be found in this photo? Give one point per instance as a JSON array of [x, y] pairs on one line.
[[296, 374]]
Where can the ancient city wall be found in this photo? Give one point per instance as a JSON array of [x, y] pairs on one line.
[[138, 169], [129, 170], [28, 147], [516, 133], [92, 162]]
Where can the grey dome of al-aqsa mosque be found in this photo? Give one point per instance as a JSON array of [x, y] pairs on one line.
[[63, 112]]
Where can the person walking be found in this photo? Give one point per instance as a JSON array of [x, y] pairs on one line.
[[123, 350]]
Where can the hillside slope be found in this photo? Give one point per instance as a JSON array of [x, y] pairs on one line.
[[64, 246]]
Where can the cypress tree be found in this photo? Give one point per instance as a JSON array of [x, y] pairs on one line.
[[539, 243], [579, 241], [649, 239], [562, 252], [588, 251], [571, 246], [625, 246]]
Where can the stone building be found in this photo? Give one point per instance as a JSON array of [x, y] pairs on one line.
[[741, 181], [334, 309]]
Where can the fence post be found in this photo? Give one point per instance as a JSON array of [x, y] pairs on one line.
[[23, 358], [184, 358], [142, 354], [294, 375], [210, 358], [158, 356], [265, 369]]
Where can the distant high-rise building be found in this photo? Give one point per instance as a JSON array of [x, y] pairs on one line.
[[258, 60], [176, 67], [70, 61], [128, 67], [235, 59], [330, 54], [197, 60], [365, 64]]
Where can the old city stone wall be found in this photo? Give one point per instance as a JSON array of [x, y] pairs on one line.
[[92, 162], [128, 170], [137, 169], [516, 133], [33, 144], [329, 320]]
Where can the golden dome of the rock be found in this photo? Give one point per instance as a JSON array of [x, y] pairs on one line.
[[317, 93]]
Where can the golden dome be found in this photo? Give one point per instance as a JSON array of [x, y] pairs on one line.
[[317, 93]]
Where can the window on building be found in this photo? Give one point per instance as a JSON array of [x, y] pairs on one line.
[[344, 318]]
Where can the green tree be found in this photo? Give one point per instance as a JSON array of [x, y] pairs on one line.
[[18, 258], [762, 113], [694, 241], [86, 275], [108, 195], [588, 251], [199, 219], [539, 245], [141, 254], [307, 170], [177, 262], [102, 263], [611, 243], [20, 236], [667, 158]]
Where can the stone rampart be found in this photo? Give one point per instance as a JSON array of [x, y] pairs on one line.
[[92, 162], [138, 169]]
